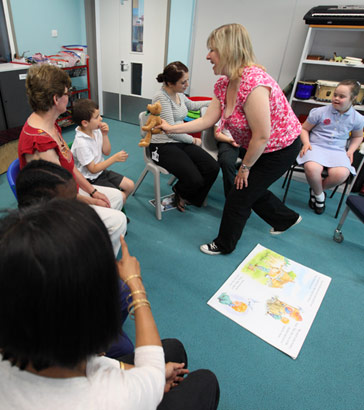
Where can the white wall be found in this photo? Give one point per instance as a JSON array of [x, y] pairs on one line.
[[277, 31]]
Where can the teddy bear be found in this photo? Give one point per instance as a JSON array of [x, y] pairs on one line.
[[154, 119]]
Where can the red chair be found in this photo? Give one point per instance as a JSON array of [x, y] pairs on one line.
[[198, 134]]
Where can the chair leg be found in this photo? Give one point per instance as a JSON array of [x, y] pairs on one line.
[[338, 235], [140, 180], [288, 178], [334, 191], [342, 197], [285, 179], [157, 195]]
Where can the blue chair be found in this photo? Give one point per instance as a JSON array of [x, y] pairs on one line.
[[354, 203], [12, 173]]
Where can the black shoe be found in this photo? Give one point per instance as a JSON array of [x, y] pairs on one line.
[[320, 209]]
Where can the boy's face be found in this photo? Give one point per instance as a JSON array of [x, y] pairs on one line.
[[95, 121]]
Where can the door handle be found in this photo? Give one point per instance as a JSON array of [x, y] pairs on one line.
[[124, 66]]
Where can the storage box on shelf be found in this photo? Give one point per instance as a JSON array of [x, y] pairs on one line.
[[323, 42], [80, 77]]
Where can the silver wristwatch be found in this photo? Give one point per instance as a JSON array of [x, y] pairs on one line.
[[243, 167]]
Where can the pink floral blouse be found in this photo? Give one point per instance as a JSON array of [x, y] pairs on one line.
[[285, 127]]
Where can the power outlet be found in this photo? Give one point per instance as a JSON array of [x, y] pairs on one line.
[[54, 33]]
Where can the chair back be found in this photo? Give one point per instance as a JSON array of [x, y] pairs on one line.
[[12, 174], [143, 118], [208, 140]]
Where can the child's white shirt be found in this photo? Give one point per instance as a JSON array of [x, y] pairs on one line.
[[85, 150]]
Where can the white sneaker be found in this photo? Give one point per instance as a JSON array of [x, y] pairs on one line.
[[274, 232], [210, 249]]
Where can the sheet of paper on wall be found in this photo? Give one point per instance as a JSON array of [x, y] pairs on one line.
[[273, 297]]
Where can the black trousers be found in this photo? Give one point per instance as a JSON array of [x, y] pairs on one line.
[[240, 202], [194, 168], [227, 157], [198, 391]]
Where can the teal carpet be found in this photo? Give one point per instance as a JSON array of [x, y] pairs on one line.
[[328, 373]]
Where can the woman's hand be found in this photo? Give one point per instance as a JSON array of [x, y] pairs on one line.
[[304, 149], [167, 128], [90, 201], [241, 178], [174, 375], [103, 200], [128, 265]]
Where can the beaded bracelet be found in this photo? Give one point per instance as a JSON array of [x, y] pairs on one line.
[[131, 277], [136, 292]]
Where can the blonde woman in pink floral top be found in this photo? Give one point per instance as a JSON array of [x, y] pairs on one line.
[[254, 109], [284, 125]]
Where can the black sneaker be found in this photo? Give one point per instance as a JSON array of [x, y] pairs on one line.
[[210, 249]]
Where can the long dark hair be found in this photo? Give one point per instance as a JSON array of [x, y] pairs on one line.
[[59, 294]]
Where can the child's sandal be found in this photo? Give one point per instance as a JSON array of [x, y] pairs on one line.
[[320, 209]]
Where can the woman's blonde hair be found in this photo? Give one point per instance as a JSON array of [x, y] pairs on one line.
[[235, 49]]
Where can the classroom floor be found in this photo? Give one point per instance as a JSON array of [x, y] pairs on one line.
[[179, 279]]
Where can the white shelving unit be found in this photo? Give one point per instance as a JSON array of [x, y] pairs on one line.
[[325, 40]]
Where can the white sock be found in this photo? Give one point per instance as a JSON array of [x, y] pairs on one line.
[[320, 198]]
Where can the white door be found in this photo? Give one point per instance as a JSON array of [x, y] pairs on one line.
[[133, 38]]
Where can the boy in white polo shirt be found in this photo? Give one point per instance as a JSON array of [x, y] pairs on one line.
[[91, 143]]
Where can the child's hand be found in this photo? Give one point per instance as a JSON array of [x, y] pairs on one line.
[[304, 149], [121, 156], [197, 141], [104, 128], [234, 143], [351, 156]]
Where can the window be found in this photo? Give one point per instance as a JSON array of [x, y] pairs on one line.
[[137, 26]]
